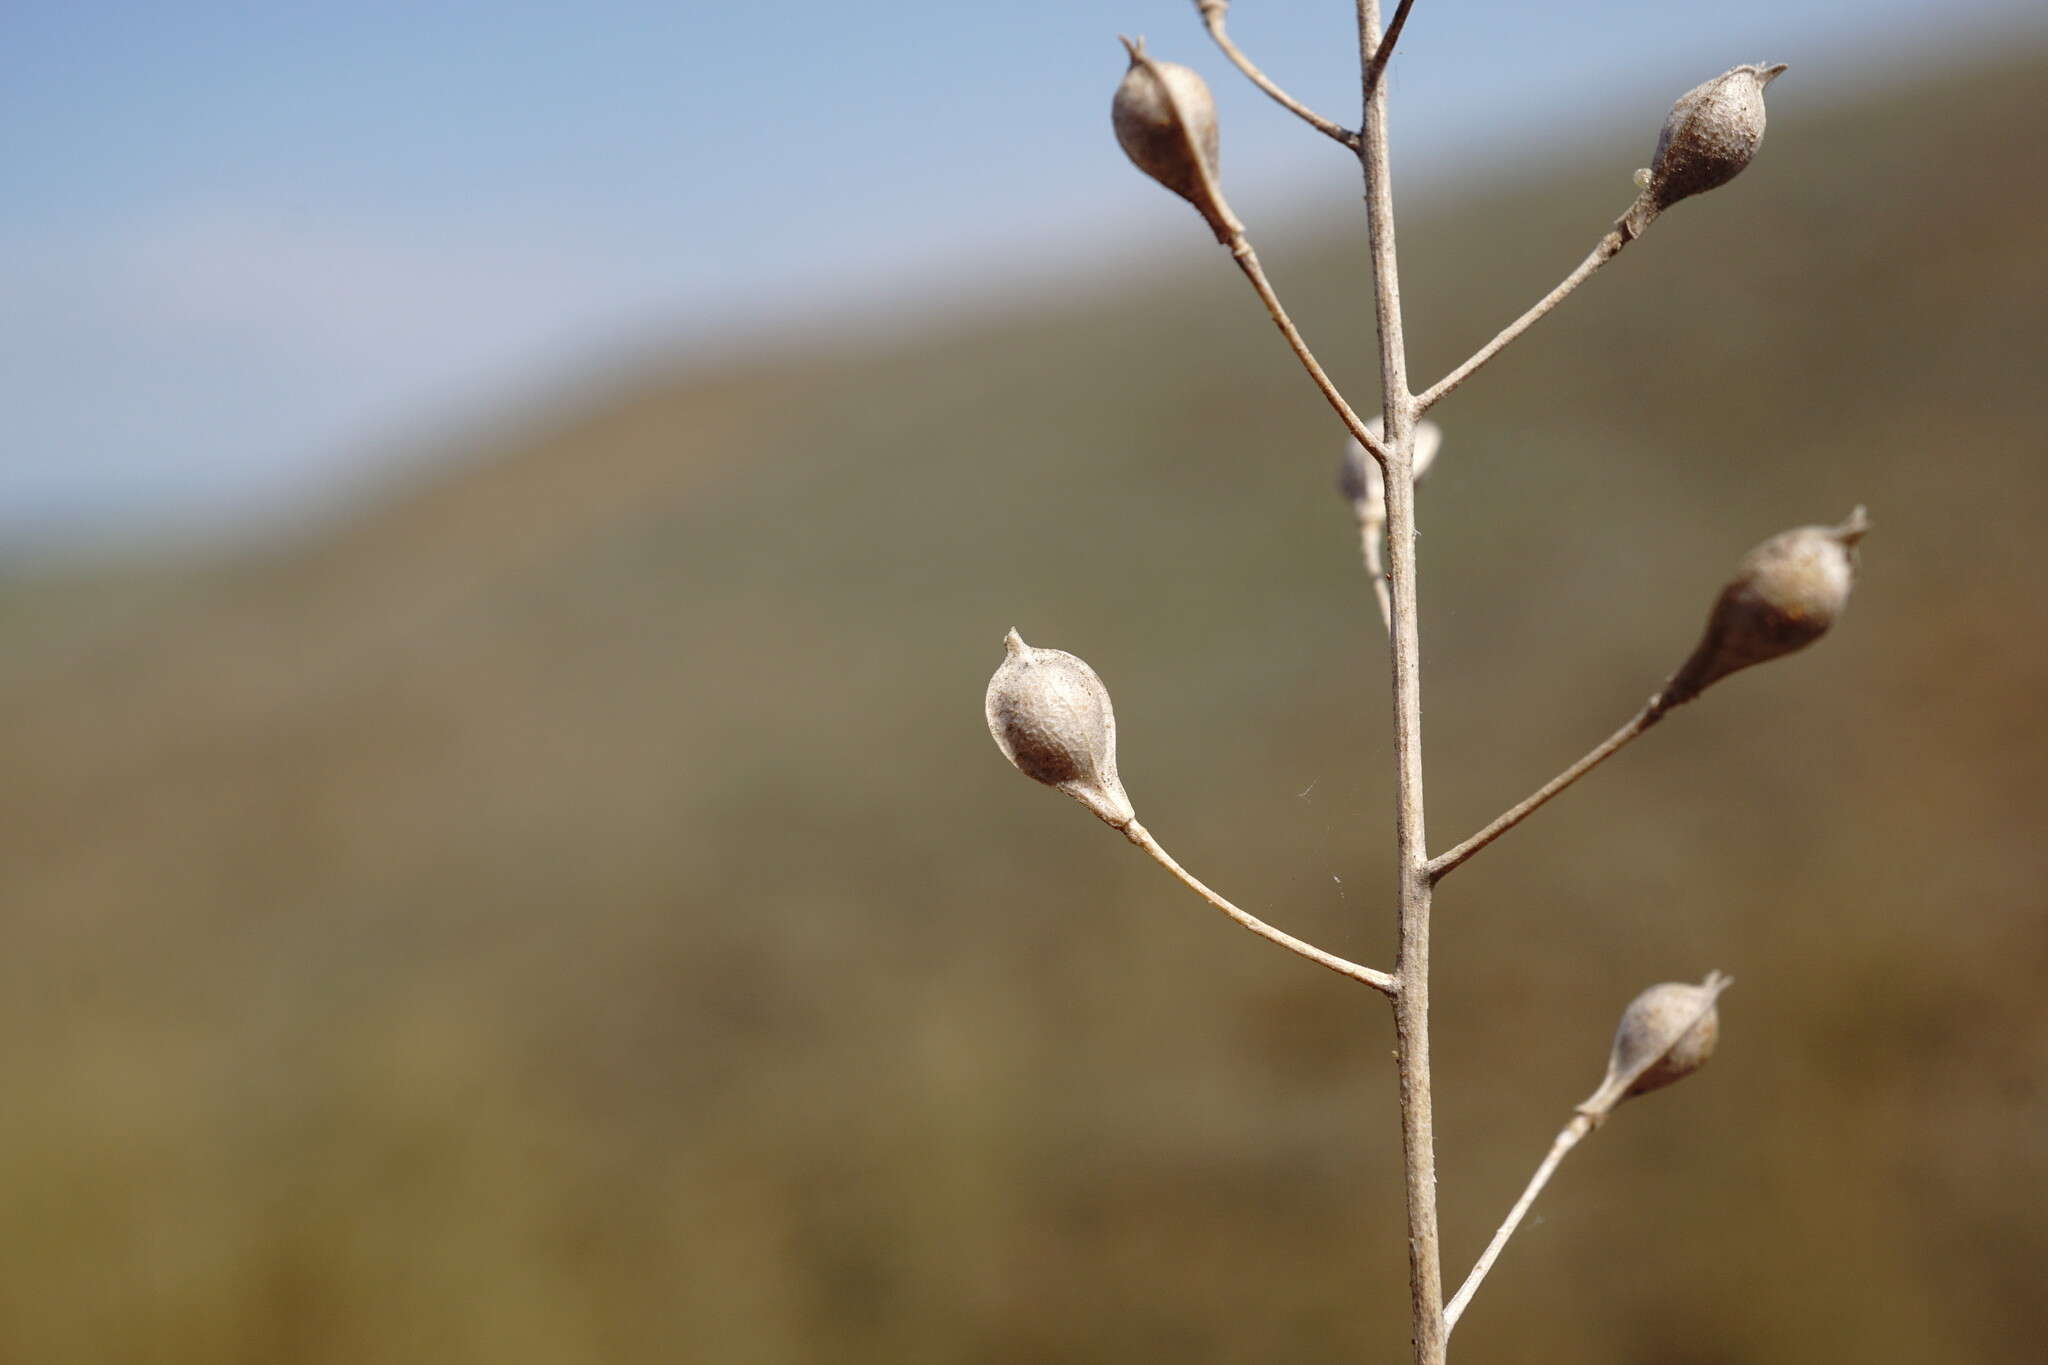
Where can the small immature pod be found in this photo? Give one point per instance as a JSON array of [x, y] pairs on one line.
[[1165, 116], [1710, 135], [1785, 595], [1358, 474], [1051, 717], [1666, 1033]]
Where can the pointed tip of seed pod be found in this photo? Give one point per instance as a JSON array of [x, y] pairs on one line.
[[1766, 74], [1134, 46], [1855, 528], [1013, 643]]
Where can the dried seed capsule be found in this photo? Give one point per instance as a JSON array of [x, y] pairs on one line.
[[1666, 1033], [1165, 117], [1051, 717], [1785, 595], [1710, 135], [1358, 474]]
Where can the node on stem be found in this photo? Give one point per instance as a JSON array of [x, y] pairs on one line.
[[1358, 473]]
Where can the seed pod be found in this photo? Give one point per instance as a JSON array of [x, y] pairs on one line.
[[1666, 1033], [1785, 595], [1164, 118], [1358, 474], [1051, 717], [1710, 135]]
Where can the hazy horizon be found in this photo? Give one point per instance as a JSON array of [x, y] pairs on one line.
[[254, 264]]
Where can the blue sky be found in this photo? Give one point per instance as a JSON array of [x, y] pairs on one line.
[[253, 254]]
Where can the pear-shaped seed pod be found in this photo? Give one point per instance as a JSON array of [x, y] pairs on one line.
[[1164, 116], [1666, 1033], [1358, 473], [1785, 595], [1710, 135], [1051, 717]]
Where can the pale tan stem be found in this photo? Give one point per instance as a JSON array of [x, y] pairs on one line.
[[1383, 52], [1378, 980], [1610, 246], [1230, 233], [1411, 1005], [1248, 261], [1653, 711], [1567, 1139], [1212, 19]]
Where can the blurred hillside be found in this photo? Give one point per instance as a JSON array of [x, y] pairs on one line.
[[573, 912]]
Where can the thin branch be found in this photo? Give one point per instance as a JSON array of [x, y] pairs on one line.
[[1567, 1139], [1212, 19], [1610, 246], [1231, 233], [1378, 980], [1384, 52], [1248, 261], [1411, 1007], [1653, 711]]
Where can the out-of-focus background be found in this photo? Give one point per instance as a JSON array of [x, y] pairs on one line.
[[505, 518]]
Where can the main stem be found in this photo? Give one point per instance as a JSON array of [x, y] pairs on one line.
[[1411, 966]]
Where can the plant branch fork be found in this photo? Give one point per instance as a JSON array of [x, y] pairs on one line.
[[1051, 715]]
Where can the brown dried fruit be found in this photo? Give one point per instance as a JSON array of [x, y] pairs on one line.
[[1665, 1034], [1785, 595], [1051, 717], [1164, 116], [1709, 136]]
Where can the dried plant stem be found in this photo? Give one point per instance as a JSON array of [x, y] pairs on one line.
[[1378, 980], [1383, 51], [1653, 711], [1779, 601], [1411, 966], [1610, 246], [1248, 261], [1212, 19], [1567, 1139], [1230, 233]]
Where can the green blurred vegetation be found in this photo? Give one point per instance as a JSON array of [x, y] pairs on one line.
[[572, 912]]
